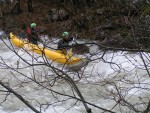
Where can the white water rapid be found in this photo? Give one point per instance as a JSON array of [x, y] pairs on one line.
[[98, 83]]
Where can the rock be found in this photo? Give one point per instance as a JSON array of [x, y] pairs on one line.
[[57, 15], [147, 20], [81, 22], [99, 11], [80, 49]]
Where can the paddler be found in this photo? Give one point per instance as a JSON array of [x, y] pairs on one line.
[[32, 34], [65, 43]]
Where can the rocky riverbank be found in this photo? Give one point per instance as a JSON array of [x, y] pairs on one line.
[[111, 25]]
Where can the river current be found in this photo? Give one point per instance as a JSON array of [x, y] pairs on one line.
[[98, 81]]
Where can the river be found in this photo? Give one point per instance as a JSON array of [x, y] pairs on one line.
[[97, 85]]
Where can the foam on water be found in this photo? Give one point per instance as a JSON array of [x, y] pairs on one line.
[[130, 65]]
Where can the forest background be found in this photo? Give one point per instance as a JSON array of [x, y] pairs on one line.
[[112, 23]]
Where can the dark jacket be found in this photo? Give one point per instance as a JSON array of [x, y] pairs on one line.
[[32, 35], [64, 43]]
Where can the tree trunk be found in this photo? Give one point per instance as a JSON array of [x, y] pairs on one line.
[[29, 3], [2, 16], [16, 8]]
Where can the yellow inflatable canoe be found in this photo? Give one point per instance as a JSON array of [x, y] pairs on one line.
[[50, 54]]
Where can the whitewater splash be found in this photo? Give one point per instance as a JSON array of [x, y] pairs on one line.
[[125, 70]]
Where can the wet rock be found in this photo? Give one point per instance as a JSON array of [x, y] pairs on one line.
[[144, 41], [99, 11], [57, 15], [101, 36], [147, 20], [80, 49], [81, 22]]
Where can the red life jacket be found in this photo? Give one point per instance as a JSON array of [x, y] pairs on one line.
[[28, 30]]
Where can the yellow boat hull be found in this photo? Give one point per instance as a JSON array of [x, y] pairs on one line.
[[50, 54]]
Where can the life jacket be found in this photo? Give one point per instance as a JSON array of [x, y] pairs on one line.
[[64, 43], [32, 35], [28, 30]]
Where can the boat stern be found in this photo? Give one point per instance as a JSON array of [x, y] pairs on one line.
[[77, 66]]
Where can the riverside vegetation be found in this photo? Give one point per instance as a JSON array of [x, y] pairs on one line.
[[112, 23]]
